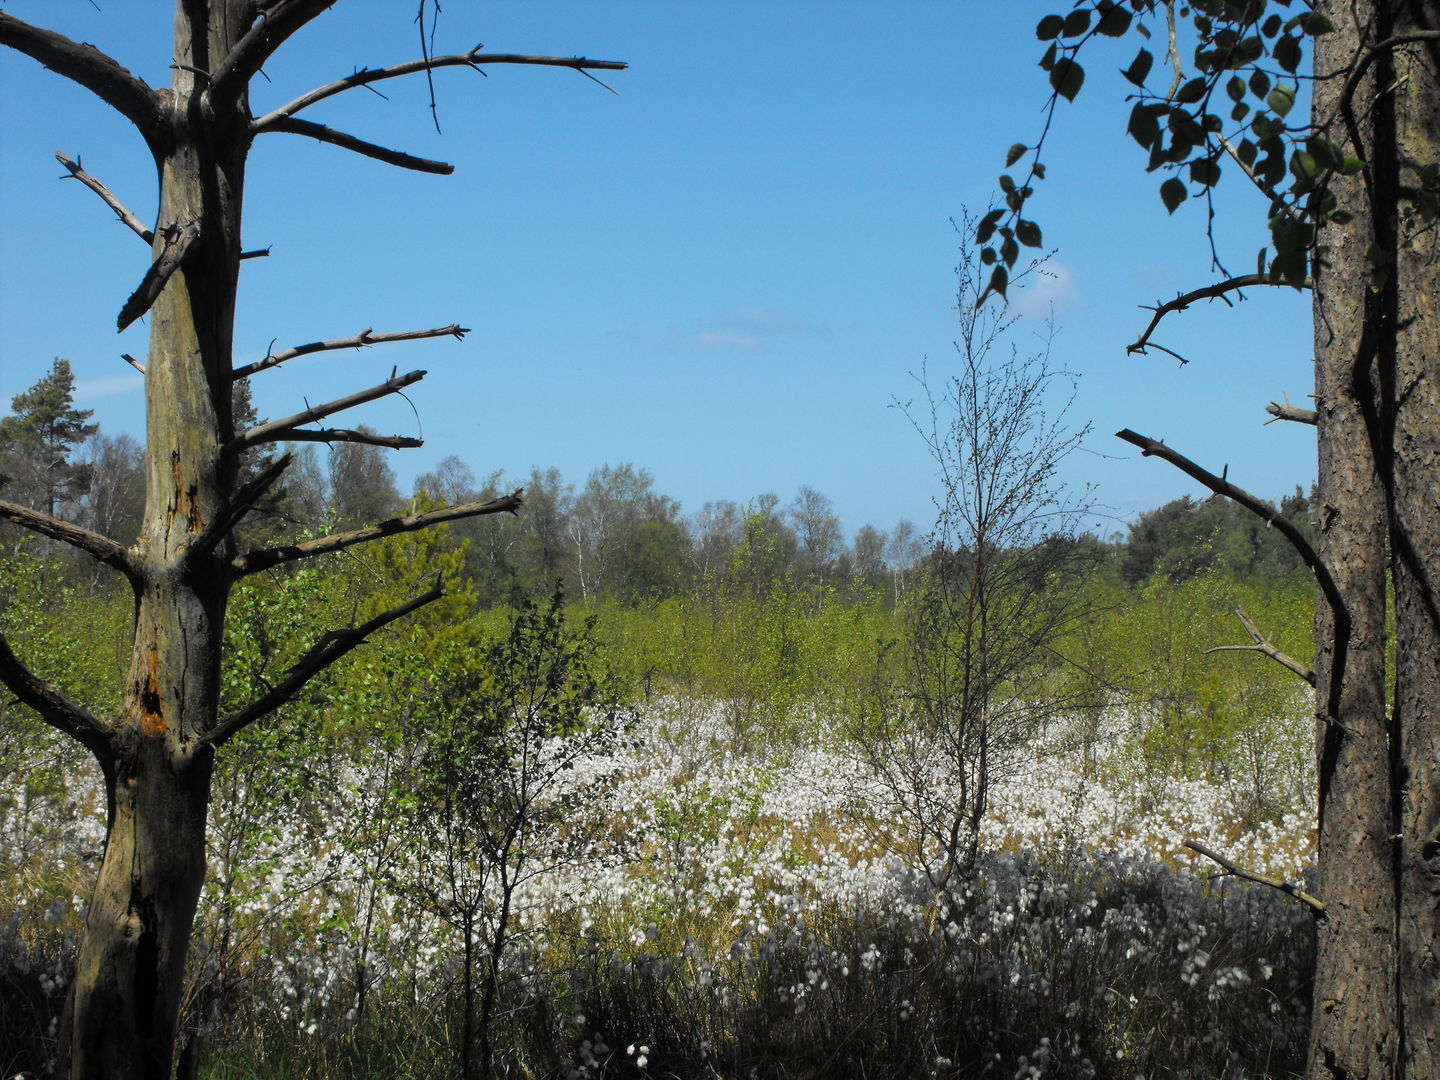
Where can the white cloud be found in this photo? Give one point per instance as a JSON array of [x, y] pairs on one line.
[[1051, 289], [737, 329], [720, 340], [92, 389]]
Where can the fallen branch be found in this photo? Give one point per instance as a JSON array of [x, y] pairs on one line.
[[279, 430], [1261, 645], [255, 561], [1260, 879], [364, 339]]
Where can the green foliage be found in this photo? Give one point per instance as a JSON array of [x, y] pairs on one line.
[[37, 439], [1246, 58]]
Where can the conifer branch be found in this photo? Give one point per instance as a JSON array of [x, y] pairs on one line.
[[280, 430], [87, 66], [101, 548], [255, 561], [1262, 645], [324, 134], [333, 644], [54, 707], [472, 59], [364, 339], [1316, 906]]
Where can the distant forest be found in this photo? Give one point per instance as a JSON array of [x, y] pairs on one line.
[[613, 538]]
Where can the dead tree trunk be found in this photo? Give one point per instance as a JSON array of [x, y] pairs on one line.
[[157, 754]]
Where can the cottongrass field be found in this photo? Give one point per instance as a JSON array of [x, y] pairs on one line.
[[721, 903]]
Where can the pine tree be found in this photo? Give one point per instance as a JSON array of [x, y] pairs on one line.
[[37, 439]]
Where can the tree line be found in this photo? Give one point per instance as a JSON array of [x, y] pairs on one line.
[[616, 537]]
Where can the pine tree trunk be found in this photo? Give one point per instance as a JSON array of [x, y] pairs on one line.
[[1377, 338], [1414, 398]]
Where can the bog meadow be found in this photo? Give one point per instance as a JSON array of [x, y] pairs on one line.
[[310, 771], [719, 794]]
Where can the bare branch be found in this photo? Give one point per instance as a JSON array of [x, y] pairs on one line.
[[90, 68], [1287, 411], [178, 242], [362, 340], [101, 548], [368, 149], [369, 438], [126, 217], [1261, 645], [136, 364], [245, 498], [333, 644], [279, 430], [54, 707], [473, 59], [1221, 486], [275, 23], [255, 561], [1260, 879], [1184, 300]]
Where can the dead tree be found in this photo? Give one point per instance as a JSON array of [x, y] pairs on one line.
[[156, 755]]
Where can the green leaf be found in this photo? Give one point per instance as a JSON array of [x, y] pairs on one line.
[[1048, 60], [1305, 168], [1192, 91], [1077, 22], [1341, 217], [988, 256], [1287, 53], [1246, 151], [1139, 67], [1144, 124], [1173, 193], [1316, 24], [1066, 78], [987, 226], [1009, 251], [1205, 171], [1114, 22], [1028, 233], [1259, 83], [1049, 28], [1007, 184], [1015, 153], [1235, 88], [1352, 165], [1281, 100], [1240, 112], [1272, 26], [999, 281]]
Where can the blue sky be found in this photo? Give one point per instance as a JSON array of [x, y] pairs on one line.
[[725, 274]]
